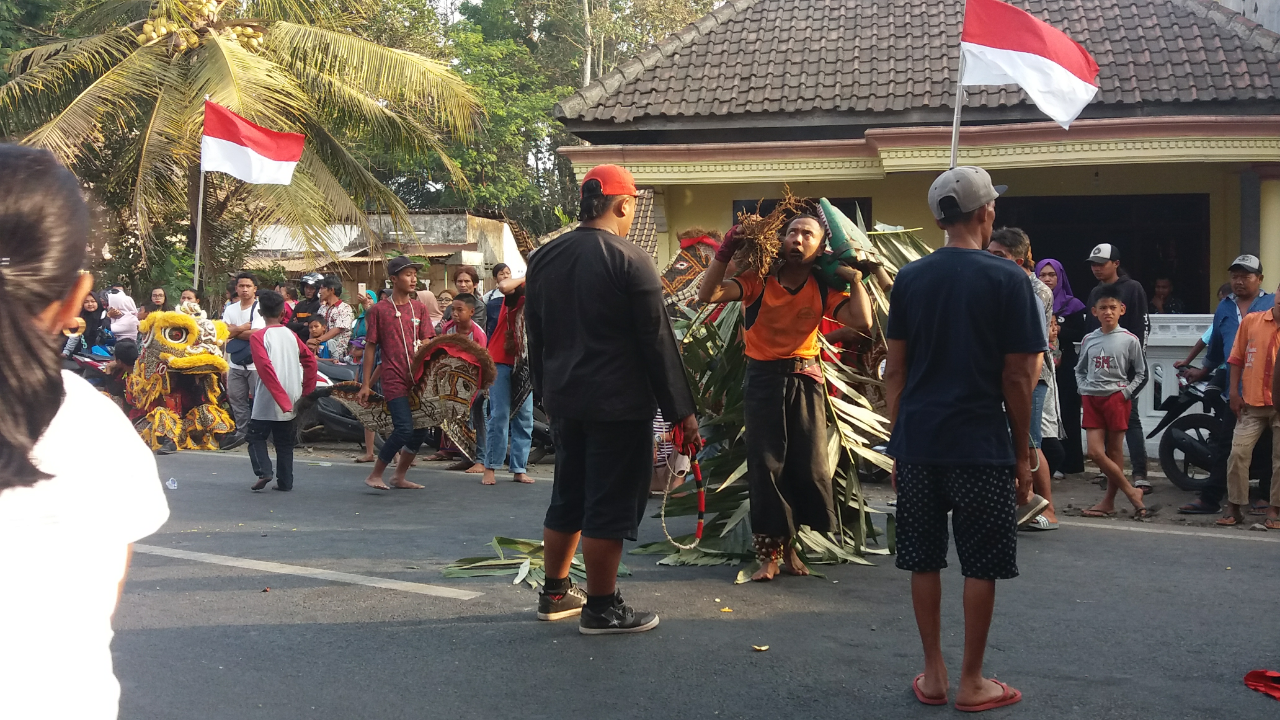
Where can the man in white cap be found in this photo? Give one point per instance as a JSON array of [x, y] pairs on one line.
[[1105, 262], [966, 335], [1247, 296]]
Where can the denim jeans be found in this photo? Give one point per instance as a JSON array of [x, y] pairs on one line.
[[478, 422], [404, 435], [501, 420], [284, 438]]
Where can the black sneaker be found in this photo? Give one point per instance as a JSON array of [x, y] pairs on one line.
[[557, 606], [618, 618]]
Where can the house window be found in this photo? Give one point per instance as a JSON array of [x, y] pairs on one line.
[[848, 206]]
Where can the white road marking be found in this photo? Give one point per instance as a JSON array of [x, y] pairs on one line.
[[1225, 535], [330, 575]]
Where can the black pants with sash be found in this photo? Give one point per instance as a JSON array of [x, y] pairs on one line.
[[787, 467]]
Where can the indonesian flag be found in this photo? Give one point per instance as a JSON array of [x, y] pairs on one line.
[[1003, 45], [246, 151]]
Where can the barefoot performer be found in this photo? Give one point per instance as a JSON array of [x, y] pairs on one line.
[[397, 325], [785, 401], [965, 338], [603, 359]]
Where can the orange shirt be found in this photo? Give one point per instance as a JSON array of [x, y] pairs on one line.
[[786, 325], [1258, 333]]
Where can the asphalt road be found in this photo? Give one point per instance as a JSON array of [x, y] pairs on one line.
[[1105, 622]]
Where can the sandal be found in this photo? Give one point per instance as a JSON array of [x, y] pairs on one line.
[[1259, 507], [1093, 513], [1144, 513], [925, 699], [1230, 521], [1009, 697], [1272, 523], [1199, 507]]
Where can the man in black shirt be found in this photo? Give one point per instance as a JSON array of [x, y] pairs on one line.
[[965, 336], [1105, 262], [603, 359]]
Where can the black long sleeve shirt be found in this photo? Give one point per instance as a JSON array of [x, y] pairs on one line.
[[1134, 298], [600, 343]]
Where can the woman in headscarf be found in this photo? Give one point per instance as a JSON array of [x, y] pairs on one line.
[[94, 314], [1070, 313], [124, 315], [364, 304]]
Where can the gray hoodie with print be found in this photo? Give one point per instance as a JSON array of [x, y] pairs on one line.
[[1111, 362]]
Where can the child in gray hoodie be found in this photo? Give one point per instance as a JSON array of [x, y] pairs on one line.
[[1111, 364]]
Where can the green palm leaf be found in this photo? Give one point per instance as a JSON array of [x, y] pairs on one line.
[[394, 76], [114, 95]]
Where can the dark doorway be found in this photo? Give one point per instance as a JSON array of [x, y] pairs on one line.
[[1156, 234]]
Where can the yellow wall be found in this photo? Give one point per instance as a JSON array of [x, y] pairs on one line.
[[899, 199]]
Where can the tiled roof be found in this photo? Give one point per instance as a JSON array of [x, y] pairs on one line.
[[895, 56], [650, 220]]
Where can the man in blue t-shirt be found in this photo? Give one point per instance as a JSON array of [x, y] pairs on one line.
[[1247, 296], [966, 336]]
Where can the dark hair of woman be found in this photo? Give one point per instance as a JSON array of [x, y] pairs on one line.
[[162, 307], [44, 225], [93, 319]]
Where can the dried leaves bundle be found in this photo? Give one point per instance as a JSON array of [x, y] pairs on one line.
[[762, 236]]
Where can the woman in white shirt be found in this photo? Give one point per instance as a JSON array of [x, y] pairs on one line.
[[71, 501]]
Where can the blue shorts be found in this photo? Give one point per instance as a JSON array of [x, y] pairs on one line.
[[1037, 413]]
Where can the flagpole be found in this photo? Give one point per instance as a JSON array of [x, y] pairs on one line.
[[955, 122], [195, 276]]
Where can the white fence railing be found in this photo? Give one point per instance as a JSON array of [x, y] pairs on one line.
[[1172, 337]]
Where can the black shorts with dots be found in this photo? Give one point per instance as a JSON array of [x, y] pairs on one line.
[[983, 506]]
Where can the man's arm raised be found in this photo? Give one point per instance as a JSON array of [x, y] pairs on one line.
[[714, 288]]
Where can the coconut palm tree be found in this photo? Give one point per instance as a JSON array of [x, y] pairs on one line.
[[141, 69]]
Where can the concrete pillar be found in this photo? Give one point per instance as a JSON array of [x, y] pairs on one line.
[[1269, 228]]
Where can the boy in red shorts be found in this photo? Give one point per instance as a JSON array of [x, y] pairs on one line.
[[1110, 366]]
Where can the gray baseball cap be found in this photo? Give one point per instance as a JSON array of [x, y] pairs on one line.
[[1248, 263], [960, 190]]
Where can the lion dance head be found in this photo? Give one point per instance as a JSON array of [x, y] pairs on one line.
[[174, 387]]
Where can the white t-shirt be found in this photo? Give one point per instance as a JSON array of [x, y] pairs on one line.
[[282, 347], [63, 550], [233, 314]]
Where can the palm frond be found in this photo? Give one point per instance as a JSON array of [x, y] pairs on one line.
[[104, 14], [247, 84], [355, 179], [164, 153], [396, 76], [323, 13], [115, 95], [48, 77], [347, 110]]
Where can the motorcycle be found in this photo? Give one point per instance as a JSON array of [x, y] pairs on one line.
[[1186, 453], [327, 417]]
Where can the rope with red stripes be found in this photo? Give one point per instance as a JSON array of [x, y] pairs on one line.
[[702, 505]]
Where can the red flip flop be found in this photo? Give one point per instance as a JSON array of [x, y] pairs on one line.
[[915, 685], [1264, 681], [1009, 697]]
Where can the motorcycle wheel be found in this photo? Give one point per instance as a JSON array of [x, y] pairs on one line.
[[1183, 471]]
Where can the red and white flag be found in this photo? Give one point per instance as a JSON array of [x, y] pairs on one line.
[[246, 151], [1003, 45]]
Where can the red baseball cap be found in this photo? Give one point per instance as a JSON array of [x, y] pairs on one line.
[[613, 179]]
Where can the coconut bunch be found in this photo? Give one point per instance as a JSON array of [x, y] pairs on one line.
[[248, 36], [762, 236]]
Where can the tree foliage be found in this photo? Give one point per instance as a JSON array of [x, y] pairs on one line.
[[138, 73]]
